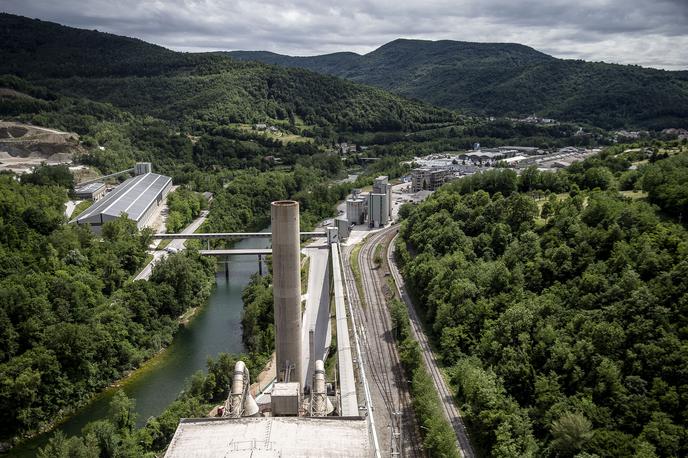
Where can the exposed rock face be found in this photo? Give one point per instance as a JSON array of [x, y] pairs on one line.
[[23, 146]]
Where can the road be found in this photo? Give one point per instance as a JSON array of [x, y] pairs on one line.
[[451, 412], [395, 421], [316, 316], [175, 244], [70, 206]]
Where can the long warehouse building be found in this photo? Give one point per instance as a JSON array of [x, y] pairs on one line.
[[138, 197]]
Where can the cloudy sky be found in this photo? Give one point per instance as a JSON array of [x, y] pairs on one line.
[[651, 33]]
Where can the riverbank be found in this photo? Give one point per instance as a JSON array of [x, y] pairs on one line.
[[207, 331], [146, 358]]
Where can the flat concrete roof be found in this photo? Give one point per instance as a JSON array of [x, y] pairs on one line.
[[92, 187], [270, 437]]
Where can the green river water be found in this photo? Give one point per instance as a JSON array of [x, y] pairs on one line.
[[216, 328]]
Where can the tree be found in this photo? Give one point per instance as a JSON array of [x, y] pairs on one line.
[[74, 447], [570, 432], [122, 411], [50, 175], [598, 177]]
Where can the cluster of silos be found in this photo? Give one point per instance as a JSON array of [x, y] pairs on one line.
[[375, 208]]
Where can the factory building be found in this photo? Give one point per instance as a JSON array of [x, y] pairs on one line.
[[138, 197], [428, 179], [92, 191], [374, 208]]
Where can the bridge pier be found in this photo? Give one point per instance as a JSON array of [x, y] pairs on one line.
[[260, 265]]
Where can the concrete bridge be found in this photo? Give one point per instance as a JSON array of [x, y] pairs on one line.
[[232, 235]]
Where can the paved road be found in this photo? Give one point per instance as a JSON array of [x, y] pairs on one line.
[[176, 244], [70, 206], [451, 413], [316, 316]]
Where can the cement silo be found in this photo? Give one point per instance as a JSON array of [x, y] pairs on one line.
[[381, 186], [286, 286]]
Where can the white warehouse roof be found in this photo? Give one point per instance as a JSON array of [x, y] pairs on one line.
[[133, 197]]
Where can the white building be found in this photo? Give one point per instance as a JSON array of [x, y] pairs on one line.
[[138, 198]]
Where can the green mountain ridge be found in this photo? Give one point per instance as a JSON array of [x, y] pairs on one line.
[[188, 88], [509, 79]]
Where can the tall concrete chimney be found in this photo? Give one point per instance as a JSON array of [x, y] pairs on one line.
[[286, 287]]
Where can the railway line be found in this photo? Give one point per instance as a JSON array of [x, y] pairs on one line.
[[381, 354], [451, 413]]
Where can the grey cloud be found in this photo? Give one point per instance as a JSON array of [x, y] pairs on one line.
[[651, 33]]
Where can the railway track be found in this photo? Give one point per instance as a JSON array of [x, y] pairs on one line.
[[381, 353], [449, 408]]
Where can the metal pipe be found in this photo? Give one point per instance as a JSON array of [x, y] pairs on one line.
[[236, 394], [286, 281], [83, 183], [240, 402], [320, 404]]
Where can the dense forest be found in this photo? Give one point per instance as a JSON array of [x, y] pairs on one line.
[[559, 305], [183, 207], [71, 320], [196, 89], [116, 435], [508, 79]]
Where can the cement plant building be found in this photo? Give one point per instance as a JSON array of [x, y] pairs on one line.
[[138, 197], [428, 178], [374, 207]]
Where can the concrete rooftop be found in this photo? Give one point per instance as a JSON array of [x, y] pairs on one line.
[[270, 437]]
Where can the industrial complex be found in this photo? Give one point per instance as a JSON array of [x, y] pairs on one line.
[[374, 207], [301, 414], [431, 172], [138, 197]]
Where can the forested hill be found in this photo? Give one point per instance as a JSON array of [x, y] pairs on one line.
[[186, 87], [509, 79], [558, 303]]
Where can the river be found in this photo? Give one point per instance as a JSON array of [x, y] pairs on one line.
[[215, 329]]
